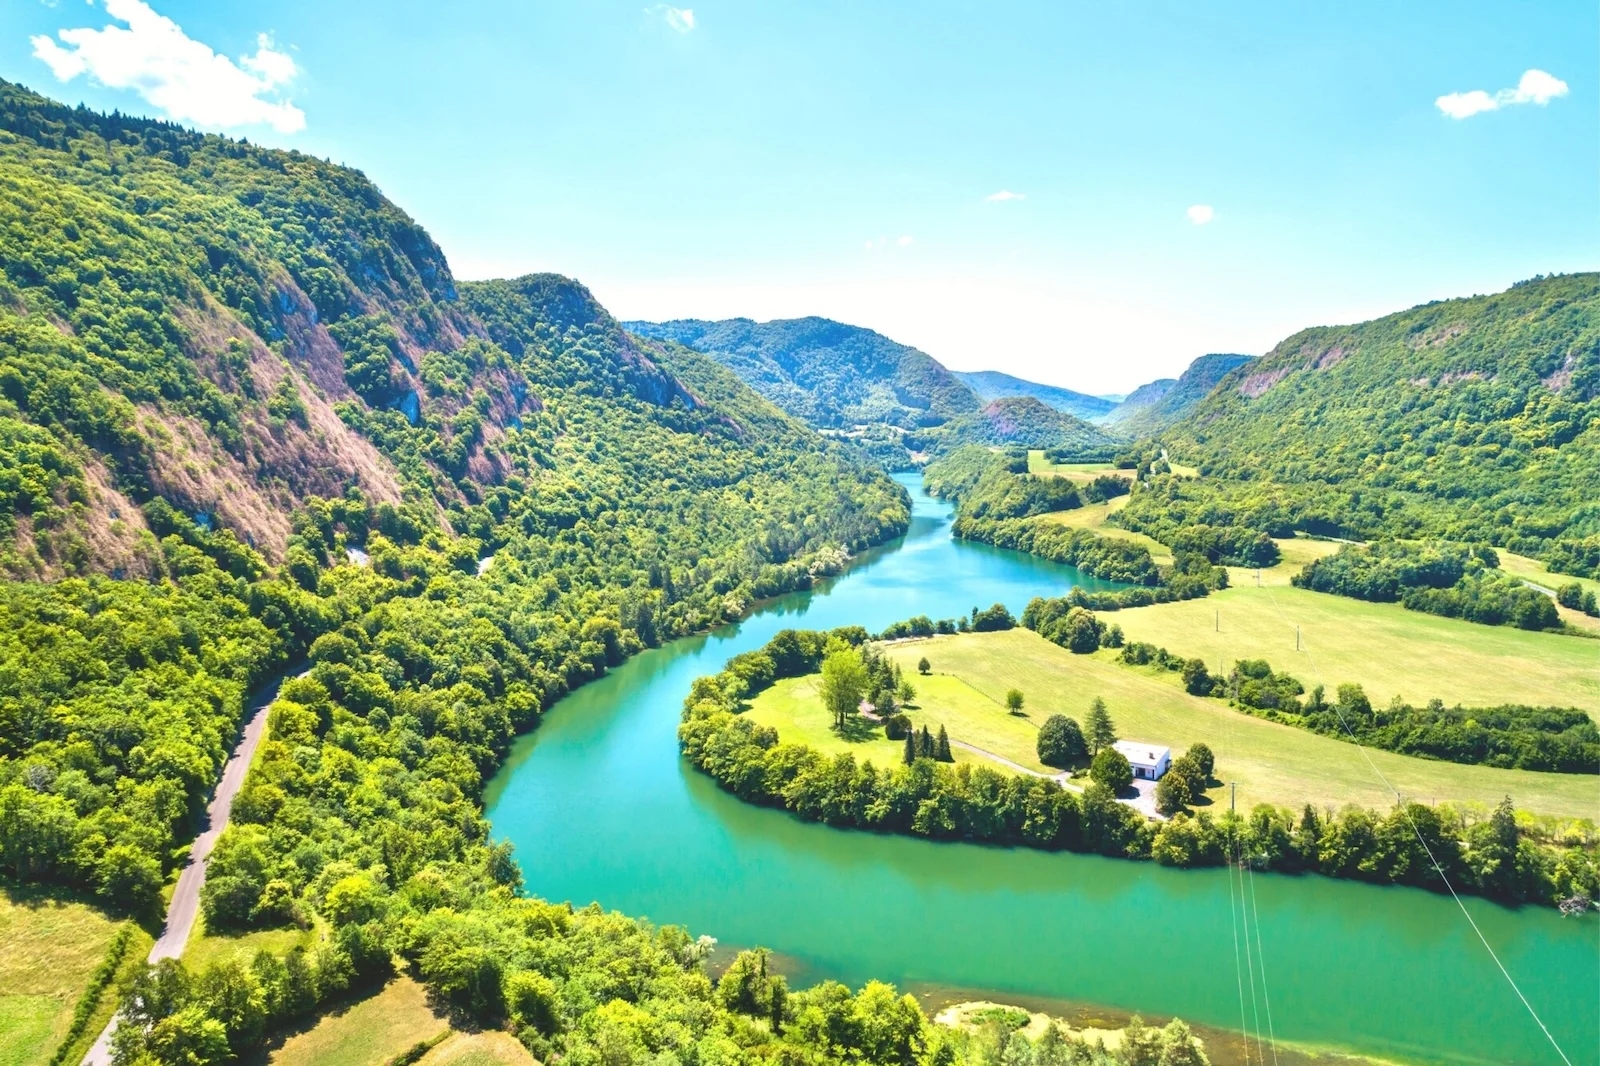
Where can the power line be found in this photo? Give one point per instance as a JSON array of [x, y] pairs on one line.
[[1306, 647]]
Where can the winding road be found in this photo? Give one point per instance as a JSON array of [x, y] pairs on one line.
[[185, 903]]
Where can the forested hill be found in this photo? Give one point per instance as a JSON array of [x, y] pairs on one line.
[[1150, 408], [830, 374], [993, 385], [1469, 419], [1020, 421], [233, 333]]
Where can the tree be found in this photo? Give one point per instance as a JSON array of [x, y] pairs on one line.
[[1196, 678], [942, 747], [1110, 768], [844, 681], [1570, 596], [926, 748], [1014, 701], [1100, 731], [1172, 793], [906, 692], [1061, 742], [1201, 754], [923, 666], [129, 878], [1188, 769], [910, 754]]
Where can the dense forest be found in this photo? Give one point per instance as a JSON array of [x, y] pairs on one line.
[[924, 797], [256, 426], [1470, 420], [1457, 581], [828, 373], [1000, 503], [1151, 408], [993, 385]]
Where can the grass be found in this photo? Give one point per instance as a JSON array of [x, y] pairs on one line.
[[1080, 472], [366, 1033], [1391, 651], [48, 950], [794, 707], [479, 1049], [205, 948], [1093, 517], [1270, 762], [1535, 572]]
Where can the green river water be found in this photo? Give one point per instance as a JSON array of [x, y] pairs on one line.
[[601, 807]]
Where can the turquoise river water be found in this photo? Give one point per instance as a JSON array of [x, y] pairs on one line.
[[601, 807]]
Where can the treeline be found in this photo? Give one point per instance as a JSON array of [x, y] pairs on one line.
[[1553, 739], [1453, 580], [1000, 503], [971, 802], [1511, 736]]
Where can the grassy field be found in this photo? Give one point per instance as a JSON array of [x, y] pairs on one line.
[[367, 1033], [1081, 472], [1270, 762], [1093, 517], [1391, 651], [205, 948], [479, 1049], [1535, 572], [48, 949], [793, 707]]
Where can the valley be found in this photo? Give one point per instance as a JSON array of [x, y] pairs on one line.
[[517, 561]]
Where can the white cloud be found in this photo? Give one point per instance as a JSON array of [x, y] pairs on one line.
[[679, 18], [182, 77], [1535, 87], [903, 241], [1003, 195], [1200, 214]]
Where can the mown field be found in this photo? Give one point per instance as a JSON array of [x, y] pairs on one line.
[[48, 950], [1093, 516], [1391, 651], [369, 1032], [1270, 762]]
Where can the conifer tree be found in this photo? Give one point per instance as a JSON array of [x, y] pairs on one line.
[[942, 752], [924, 743], [1098, 728], [911, 746]]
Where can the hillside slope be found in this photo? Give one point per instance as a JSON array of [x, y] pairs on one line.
[[1473, 419], [993, 385], [1151, 408], [1022, 421], [830, 374]]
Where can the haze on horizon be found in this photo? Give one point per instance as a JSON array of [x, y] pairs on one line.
[[1081, 196]]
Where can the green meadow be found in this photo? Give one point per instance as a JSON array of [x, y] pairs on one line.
[[1268, 761]]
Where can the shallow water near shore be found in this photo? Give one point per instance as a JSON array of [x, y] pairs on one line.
[[601, 807]]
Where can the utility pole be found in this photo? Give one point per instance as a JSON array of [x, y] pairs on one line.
[[1233, 794], [1296, 638], [1219, 619]]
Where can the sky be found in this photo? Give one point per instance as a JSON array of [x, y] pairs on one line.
[[1088, 195]]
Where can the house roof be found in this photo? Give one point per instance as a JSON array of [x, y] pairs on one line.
[[1139, 753]]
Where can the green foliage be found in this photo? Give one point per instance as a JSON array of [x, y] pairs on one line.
[[1014, 700], [1099, 731], [1061, 743], [1018, 421], [1169, 400], [844, 683], [828, 373], [1451, 580], [1470, 420], [1109, 768]]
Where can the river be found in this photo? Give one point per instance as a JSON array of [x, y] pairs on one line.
[[600, 806]]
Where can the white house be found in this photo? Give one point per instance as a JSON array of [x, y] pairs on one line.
[[1149, 762]]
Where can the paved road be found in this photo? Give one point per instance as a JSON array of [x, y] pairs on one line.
[[185, 903]]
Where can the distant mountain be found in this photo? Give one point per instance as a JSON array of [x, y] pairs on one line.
[[993, 385], [1153, 407], [1015, 420], [833, 375]]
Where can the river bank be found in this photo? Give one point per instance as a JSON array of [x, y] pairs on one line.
[[601, 807]]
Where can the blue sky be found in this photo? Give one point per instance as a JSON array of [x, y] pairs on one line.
[[844, 159]]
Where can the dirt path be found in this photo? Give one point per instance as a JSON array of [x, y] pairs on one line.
[[1059, 778], [185, 903]]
